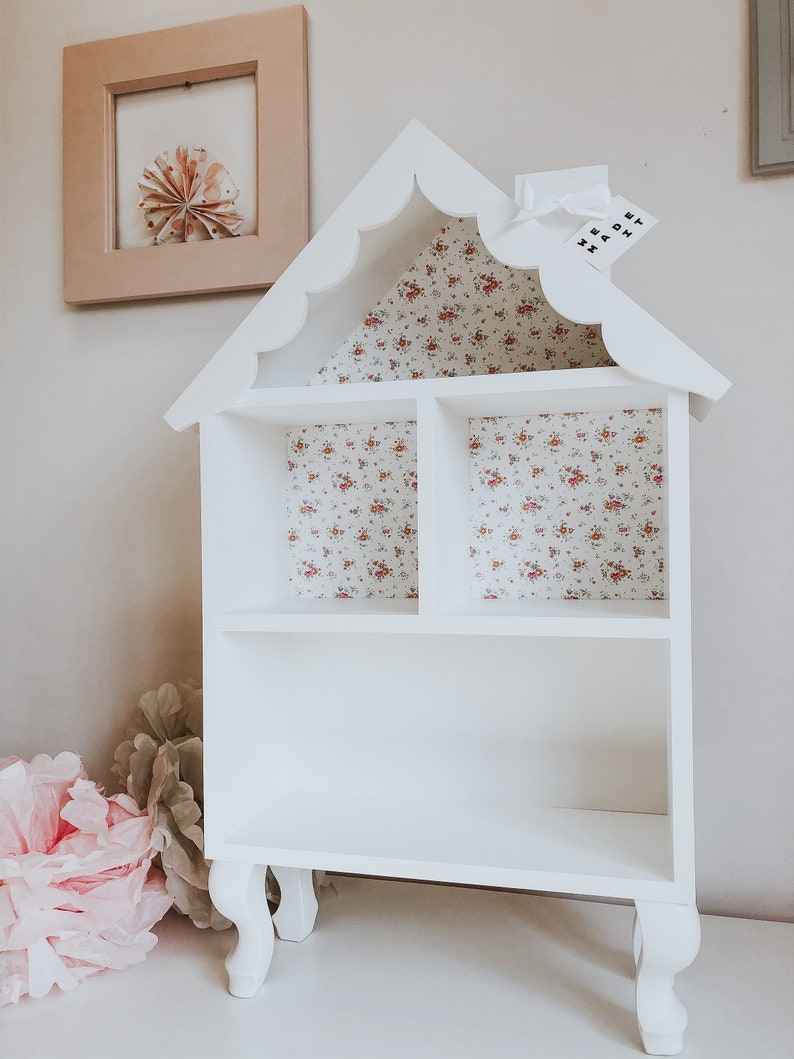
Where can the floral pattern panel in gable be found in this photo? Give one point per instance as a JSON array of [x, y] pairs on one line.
[[458, 311]]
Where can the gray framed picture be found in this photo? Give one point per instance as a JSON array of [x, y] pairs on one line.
[[772, 46]]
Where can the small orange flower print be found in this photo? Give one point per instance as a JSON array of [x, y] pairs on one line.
[[381, 570], [412, 289], [615, 571], [574, 476], [490, 283]]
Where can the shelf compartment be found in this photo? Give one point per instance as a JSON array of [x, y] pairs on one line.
[[486, 728], [482, 843], [311, 506], [557, 505]]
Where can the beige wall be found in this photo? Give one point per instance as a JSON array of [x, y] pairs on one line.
[[100, 541]]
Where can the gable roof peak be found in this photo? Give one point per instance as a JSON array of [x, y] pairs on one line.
[[418, 158]]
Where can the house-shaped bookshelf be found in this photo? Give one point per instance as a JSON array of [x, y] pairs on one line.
[[446, 571]]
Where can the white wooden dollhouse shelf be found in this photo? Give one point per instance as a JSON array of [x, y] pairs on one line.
[[445, 528]]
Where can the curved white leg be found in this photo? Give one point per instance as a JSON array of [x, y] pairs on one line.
[[238, 892], [669, 942], [636, 938], [297, 910]]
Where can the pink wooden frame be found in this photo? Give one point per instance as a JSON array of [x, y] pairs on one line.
[[271, 45]]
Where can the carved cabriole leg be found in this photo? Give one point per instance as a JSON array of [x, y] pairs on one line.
[[238, 892], [297, 910], [666, 942]]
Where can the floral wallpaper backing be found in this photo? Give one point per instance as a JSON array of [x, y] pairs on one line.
[[459, 311], [351, 511], [568, 505]]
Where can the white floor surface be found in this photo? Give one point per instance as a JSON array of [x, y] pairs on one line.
[[398, 970]]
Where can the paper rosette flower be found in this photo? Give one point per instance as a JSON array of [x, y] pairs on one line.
[[77, 891], [161, 766], [189, 198]]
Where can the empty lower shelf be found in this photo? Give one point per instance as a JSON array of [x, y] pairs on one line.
[[560, 850]]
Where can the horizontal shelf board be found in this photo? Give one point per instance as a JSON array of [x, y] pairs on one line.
[[633, 619], [573, 609], [317, 615], [528, 847], [268, 399]]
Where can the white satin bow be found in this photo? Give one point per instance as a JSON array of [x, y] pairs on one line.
[[537, 202]]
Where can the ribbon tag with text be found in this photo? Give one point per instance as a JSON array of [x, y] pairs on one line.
[[602, 242]]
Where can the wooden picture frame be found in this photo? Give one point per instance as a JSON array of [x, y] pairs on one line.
[[271, 45], [772, 85]]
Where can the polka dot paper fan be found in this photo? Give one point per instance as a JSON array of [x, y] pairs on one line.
[[188, 198]]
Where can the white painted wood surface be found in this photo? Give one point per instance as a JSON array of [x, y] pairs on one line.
[[534, 744], [666, 943]]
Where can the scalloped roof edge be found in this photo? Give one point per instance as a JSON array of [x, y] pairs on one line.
[[634, 338]]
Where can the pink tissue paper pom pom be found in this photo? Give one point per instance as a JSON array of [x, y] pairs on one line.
[[77, 890]]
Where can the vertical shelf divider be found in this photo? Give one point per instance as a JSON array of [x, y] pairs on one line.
[[453, 506], [427, 475]]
